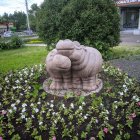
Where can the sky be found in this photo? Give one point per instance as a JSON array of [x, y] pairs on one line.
[[9, 6]]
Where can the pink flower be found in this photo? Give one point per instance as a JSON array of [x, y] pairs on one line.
[[132, 116], [105, 130], [0, 138], [138, 103], [3, 112], [54, 138]]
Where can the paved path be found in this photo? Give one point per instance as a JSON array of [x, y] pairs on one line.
[[129, 65], [128, 39]]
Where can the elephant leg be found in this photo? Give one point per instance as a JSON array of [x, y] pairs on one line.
[[67, 80], [57, 83], [76, 81], [89, 83]]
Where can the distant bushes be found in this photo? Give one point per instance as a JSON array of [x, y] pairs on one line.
[[13, 43]]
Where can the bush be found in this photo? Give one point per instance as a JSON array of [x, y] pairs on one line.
[[14, 43], [93, 23]]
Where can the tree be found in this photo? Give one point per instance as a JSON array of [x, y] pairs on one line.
[[19, 19], [32, 16], [91, 22]]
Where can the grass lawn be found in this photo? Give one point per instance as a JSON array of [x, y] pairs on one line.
[[27, 56], [125, 51], [19, 58]]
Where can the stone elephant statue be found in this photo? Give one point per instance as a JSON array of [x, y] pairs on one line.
[[86, 63], [72, 65]]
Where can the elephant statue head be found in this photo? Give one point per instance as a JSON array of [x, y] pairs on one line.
[[71, 49]]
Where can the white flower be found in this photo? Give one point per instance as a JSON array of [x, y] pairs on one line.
[[23, 116], [21, 79], [26, 81], [39, 103], [40, 123], [107, 112], [72, 105], [80, 107], [124, 86], [14, 87], [24, 105], [55, 121], [63, 106], [29, 87], [17, 81], [32, 104], [85, 117], [51, 105], [10, 110], [96, 121], [62, 120], [136, 98], [7, 81], [53, 113], [106, 118], [52, 101], [18, 101], [121, 93], [43, 111], [23, 110], [32, 116], [116, 106], [36, 110], [12, 105], [0, 88], [125, 90], [14, 108], [83, 103], [101, 104], [6, 78], [115, 101]]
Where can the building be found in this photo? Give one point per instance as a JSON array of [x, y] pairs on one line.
[[5, 27], [130, 14]]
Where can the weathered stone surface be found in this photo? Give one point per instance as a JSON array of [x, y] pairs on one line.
[[74, 66]]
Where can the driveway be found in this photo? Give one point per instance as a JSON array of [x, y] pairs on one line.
[[129, 39]]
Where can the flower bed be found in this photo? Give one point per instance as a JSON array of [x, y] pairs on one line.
[[27, 112]]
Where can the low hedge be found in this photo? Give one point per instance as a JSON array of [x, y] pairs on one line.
[[14, 43]]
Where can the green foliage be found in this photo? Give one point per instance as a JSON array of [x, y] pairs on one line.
[[14, 43], [32, 16], [93, 23], [18, 18]]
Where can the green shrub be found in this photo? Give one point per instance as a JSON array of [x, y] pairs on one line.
[[94, 23], [14, 43]]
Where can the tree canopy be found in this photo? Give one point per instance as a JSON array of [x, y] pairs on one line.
[[91, 22]]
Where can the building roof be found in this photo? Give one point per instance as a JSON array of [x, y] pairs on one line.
[[129, 3]]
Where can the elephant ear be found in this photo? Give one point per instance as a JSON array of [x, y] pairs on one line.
[[76, 43], [79, 47]]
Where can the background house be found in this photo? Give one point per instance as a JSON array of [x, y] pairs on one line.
[[130, 14], [5, 26]]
